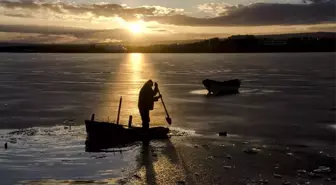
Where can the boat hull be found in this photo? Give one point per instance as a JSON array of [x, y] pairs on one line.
[[101, 135], [222, 88]]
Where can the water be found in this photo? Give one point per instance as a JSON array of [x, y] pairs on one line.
[[283, 97], [293, 93]]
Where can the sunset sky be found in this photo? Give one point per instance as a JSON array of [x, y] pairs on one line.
[[150, 21]]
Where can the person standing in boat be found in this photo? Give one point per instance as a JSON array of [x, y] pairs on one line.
[[147, 97]]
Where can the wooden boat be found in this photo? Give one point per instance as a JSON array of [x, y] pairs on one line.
[[222, 88], [102, 135]]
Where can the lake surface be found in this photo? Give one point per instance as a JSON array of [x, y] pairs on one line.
[[292, 94], [282, 97]]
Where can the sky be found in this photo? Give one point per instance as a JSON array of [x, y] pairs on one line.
[[155, 21]]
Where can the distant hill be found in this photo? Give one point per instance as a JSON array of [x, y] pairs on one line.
[[301, 42], [291, 35], [167, 42], [298, 42]]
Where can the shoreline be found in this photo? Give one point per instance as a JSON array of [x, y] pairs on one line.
[[188, 158]]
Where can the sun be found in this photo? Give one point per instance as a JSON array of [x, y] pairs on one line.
[[135, 28]]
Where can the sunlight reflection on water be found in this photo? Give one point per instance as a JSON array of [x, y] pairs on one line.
[[135, 70]]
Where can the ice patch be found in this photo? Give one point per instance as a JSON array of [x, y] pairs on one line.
[[333, 126], [177, 131], [199, 92], [186, 100], [242, 90], [257, 91]]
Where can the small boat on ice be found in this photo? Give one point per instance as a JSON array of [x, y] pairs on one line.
[[222, 88], [103, 135], [109, 131]]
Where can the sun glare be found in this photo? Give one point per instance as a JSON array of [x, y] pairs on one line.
[[135, 28]]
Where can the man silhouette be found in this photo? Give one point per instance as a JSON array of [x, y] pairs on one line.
[[146, 101]]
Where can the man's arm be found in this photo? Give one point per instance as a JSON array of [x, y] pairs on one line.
[[156, 98], [156, 89]]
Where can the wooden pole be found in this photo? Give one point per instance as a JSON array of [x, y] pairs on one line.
[[92, 117], [120, 101], [168, 119], [130, 121]]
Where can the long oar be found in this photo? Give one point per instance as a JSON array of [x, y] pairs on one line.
[[168, 119]]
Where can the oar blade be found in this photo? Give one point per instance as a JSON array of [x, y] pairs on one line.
[[169, 120]]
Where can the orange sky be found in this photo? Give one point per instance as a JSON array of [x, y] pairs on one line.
[[143, 21]]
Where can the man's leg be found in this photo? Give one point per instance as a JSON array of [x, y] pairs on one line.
[[145, 118]]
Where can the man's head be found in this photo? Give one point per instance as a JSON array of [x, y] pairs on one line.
[[150, 83]]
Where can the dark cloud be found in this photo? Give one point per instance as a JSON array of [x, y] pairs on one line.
[[78, 33], [48, 34], [161, 30], [18, 14], [316, 1], [260, 14], [42, 38], [47, 30]]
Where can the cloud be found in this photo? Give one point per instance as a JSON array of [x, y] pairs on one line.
[[98, 9], [257, 14], [76, 34], [46, 30], [48, 34], [159, 10], [42, 38], [214, 8], [18, 14], [162, 30]]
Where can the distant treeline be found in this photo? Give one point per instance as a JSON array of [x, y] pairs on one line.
[[244, 44], [233, 44]]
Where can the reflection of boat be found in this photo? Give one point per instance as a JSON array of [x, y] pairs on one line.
[[102, 135], [221, 88]]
